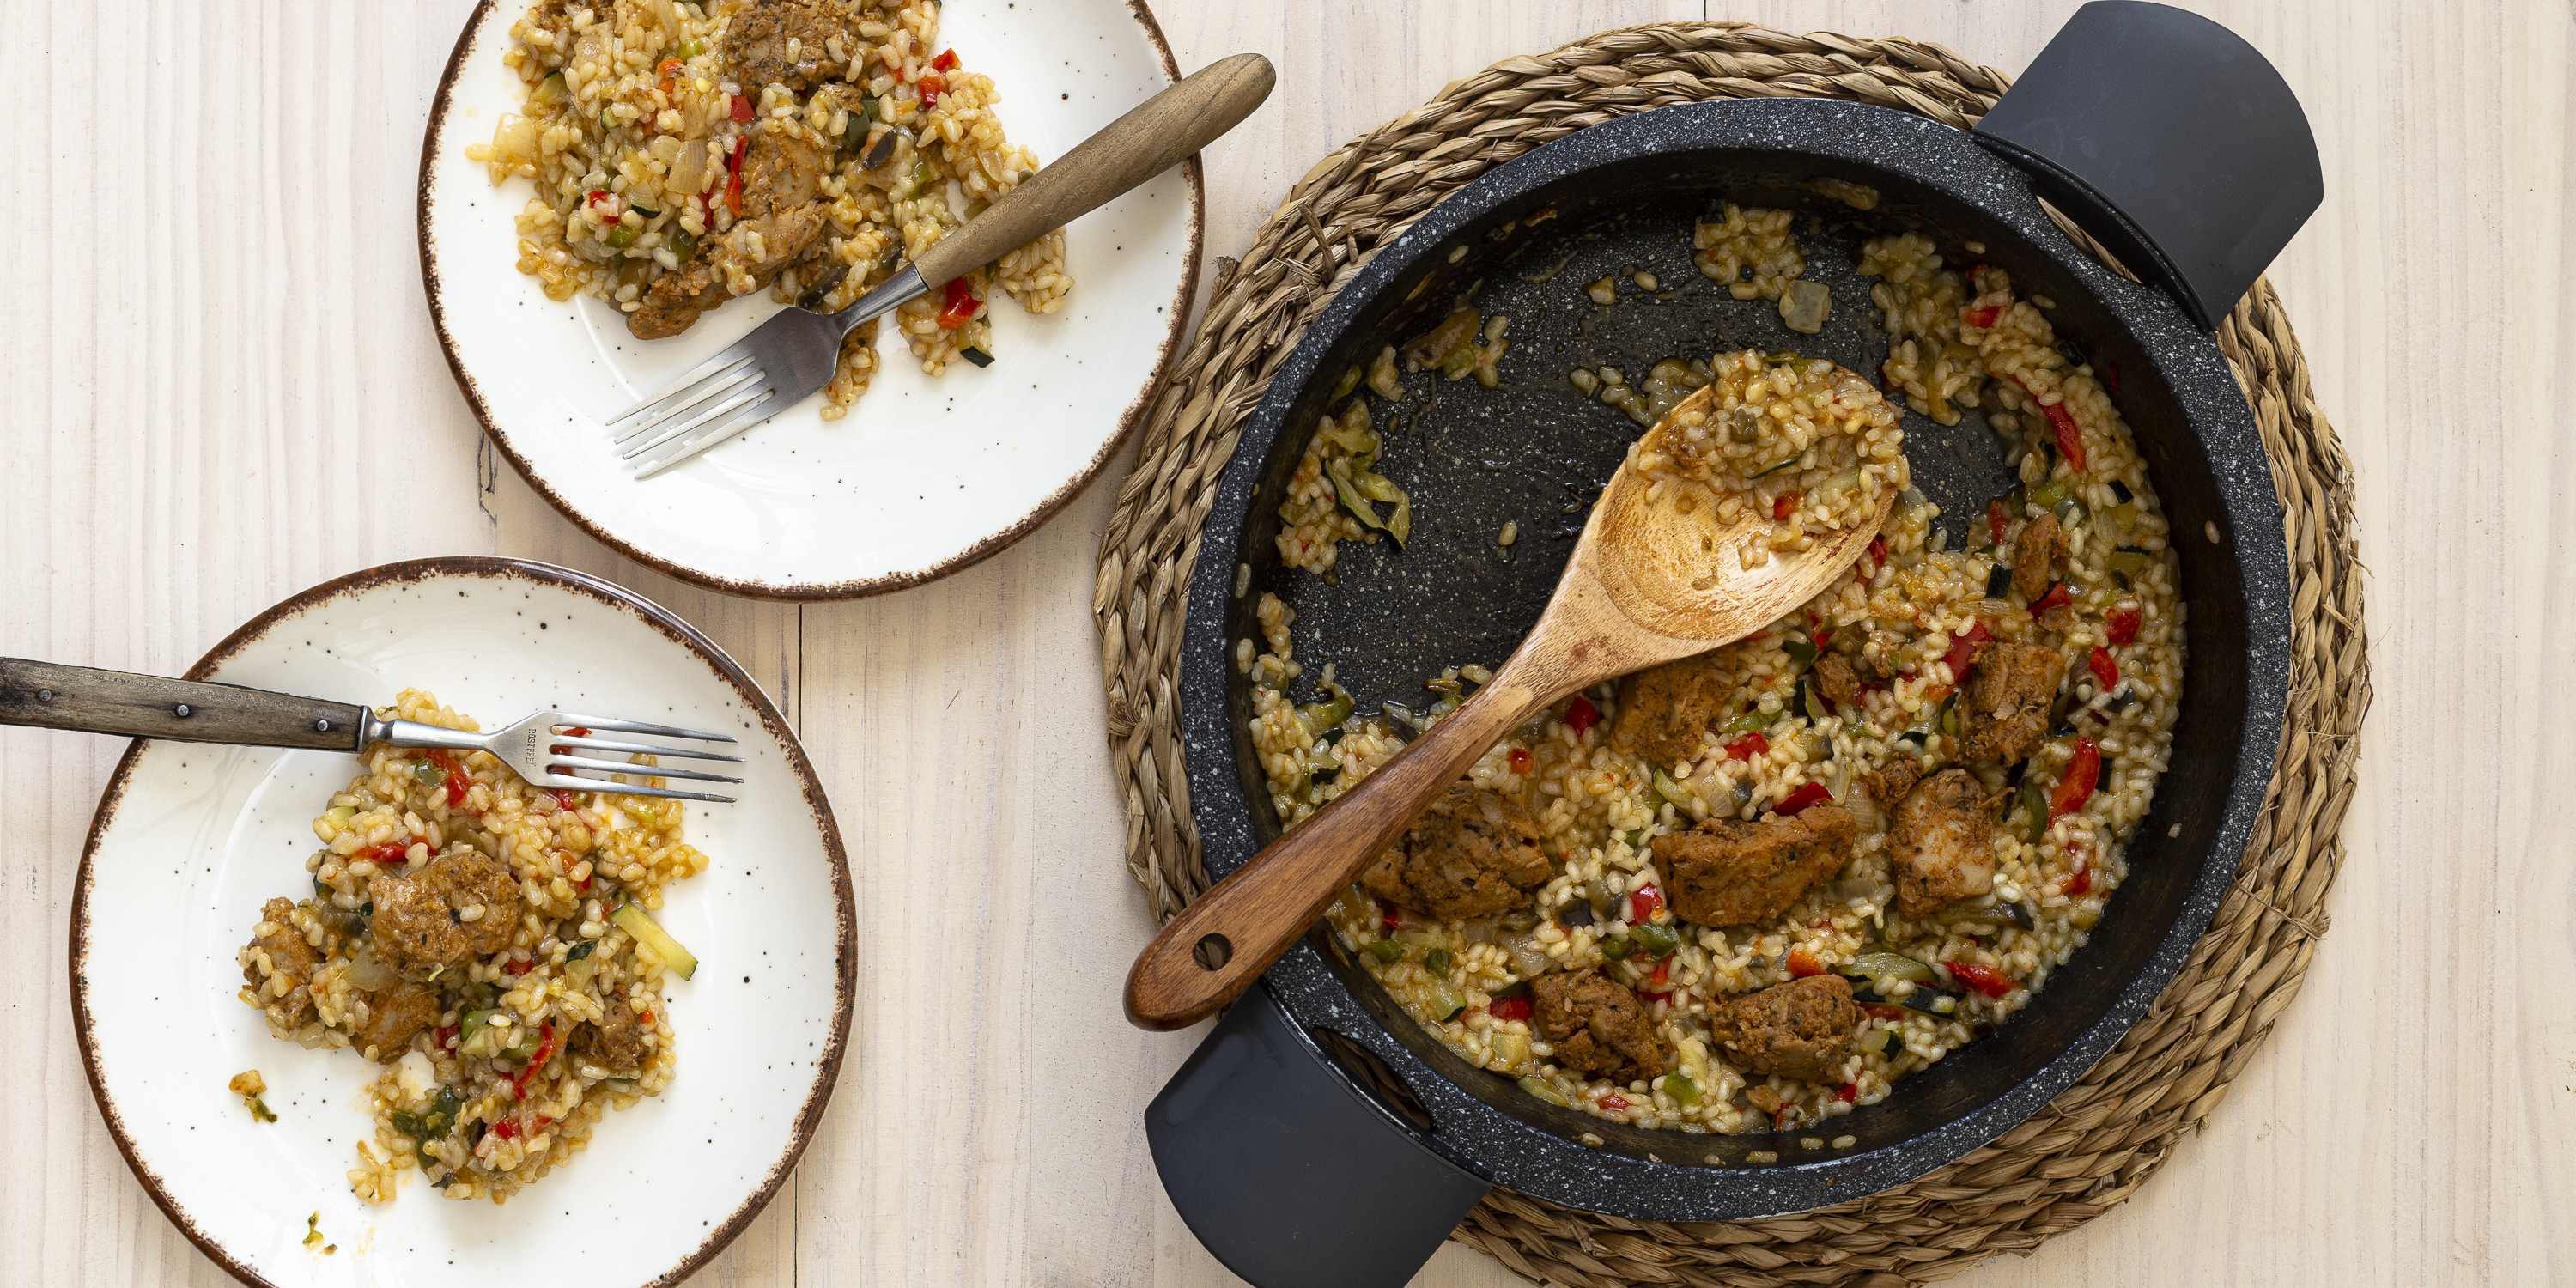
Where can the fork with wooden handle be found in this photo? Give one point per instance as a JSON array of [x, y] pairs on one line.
[[790, 356], [1638, 590], [548, 748]]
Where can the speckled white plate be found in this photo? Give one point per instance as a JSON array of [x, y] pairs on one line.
[[925, 475], [190, 839]]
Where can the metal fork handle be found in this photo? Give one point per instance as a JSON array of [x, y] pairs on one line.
[[50, 696]]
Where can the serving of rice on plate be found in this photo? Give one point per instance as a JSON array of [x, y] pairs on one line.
[[687, 153], [1751, 890], [492, 945]]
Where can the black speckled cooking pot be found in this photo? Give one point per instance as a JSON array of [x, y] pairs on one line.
[[1320, 1136]]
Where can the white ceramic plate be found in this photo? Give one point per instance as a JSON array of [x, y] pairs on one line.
[[924, 475], [190, 839]]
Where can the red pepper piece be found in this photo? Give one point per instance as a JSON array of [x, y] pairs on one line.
[[2124, 625], [1388, 913], [1520, 760], [1882, 1011], [670, 70], [1747, 747], [2075, 786], [931, 88], [536, 1065], [2057, 597], [2070, 441], [2080, 884], [742, 107], [1848, 1092], [1662, 974], [563, 796], [958, 308], [1877, 552], [644, 1018], [2106, 672], [945, 62], [506, 1129], [1786, 504], [1963, 650], [1811, 794], [447, 1036], [389, 852], [1982, 318], [1581, 715], [1614, 1102], [1803, 963], [1643, 903], [733, 175], [1510, 1008], [515, 967], [597, 196], [1997, 520], [1984, 979]]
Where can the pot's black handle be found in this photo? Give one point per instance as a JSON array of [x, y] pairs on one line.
[[2171, 140], [1287, 1172]]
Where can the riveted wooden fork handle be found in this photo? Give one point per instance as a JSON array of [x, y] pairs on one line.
[[51, 696]]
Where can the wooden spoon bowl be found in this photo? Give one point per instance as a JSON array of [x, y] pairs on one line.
[[1647, 583]]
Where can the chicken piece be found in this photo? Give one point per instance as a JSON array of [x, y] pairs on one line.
[[2039, 557], [460, 907], [782, 212], [1598, 1027], [1726, 873], [615, 1045], [2005, 716], [1472, 853], [1943, 842], [757, 40], [1665, 711], [1889, 783], [394, 1013], [1837, 679], [281, 953], [1801, 1029]]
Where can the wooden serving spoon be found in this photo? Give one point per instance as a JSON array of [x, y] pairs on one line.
[[1646, 584]]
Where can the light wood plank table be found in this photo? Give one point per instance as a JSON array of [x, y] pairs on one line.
[[230, 391]]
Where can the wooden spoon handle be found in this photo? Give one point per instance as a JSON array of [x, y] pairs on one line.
[[1136, 147], [1259, 911]]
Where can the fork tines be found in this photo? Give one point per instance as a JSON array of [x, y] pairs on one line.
[[559, 763], [723, 396]]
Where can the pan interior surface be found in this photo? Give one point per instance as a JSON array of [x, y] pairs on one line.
[[1617, 201]]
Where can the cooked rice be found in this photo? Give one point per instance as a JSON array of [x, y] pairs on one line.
[[1597, 811], [630, 109], [576, 858]]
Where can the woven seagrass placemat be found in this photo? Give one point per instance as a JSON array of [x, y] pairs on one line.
[[2099, 1141]]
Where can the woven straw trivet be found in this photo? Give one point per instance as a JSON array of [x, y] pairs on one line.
[[2097, 1142]]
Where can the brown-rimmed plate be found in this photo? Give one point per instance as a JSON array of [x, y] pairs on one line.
[[190, 839], [925, 475]]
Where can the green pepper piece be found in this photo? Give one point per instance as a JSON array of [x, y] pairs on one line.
[[1753, 721], [619, 238], [1680, 1087], [1387, 951], [1438, 961], [426, 771], [1659, 942], [2048, 494], [1618, 950], [2034, 803], [1800, 650]]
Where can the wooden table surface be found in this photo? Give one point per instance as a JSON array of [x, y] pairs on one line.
[[231, 391]]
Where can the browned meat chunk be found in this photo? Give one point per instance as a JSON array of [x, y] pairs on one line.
[[394, 1013], [1665, 711], [615, 1044], [1889, 783], [782, 211], [281, 953], [461, 906], [1726, 873], [1838, 679], [1472, 853], [756, 42], [1943, 843], [1598, 1027], [2006, 715], [2039, 557], [1801, 1029]]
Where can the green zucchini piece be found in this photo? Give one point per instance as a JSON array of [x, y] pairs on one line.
[[632, 919]]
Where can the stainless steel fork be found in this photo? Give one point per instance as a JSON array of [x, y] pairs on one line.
[[787, 358], [548, 748]]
